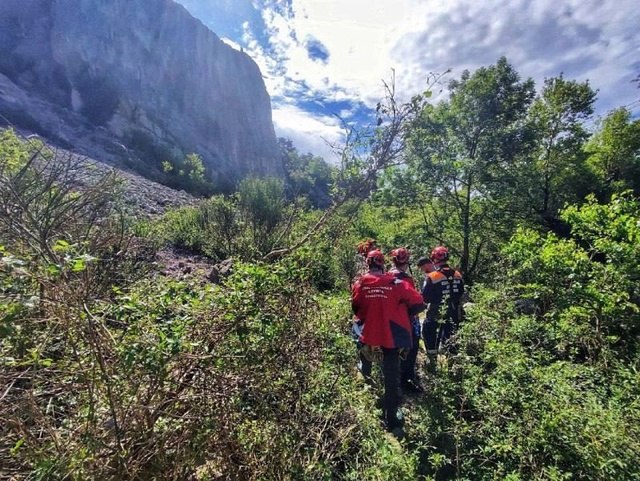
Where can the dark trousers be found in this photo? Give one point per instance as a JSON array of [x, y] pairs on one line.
[[365, 367], [408, 365], [391, 376], [436, 333]]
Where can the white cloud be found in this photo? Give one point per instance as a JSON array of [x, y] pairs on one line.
[[366, 39], [584, 39], [357, 37], [231, 43], [309, 133]]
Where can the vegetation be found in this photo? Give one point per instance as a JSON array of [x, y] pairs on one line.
[[113, 375], [307, 176], [188, 174], [549, 394], [113, 371]]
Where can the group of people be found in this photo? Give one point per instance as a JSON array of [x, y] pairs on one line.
[[386, 306]]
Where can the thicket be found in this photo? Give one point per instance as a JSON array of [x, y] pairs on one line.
[[107, 374], [112, 372], [550, 393], [306, 175], [168, 165], [246, 224]]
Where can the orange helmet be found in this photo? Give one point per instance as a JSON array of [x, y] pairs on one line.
[[375, 258], [365, 246], [400, 256], [439, 254]]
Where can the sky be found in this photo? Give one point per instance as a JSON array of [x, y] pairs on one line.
[[324, 61]]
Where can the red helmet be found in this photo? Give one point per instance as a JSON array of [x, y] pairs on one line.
[[365, 246], [400, 255], [439, 254], [375, 258]]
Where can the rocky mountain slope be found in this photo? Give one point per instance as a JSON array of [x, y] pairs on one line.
[[136, 82], [142, 197]]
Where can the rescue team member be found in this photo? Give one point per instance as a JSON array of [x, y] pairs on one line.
[[442, 290], [364, 247], [426, 266], [384, 304], [408, 377], [361, 268]]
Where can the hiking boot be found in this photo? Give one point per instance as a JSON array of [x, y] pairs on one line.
[[397, 433], [394, 424], [394, 420]]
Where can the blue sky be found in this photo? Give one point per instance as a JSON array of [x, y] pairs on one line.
[[325, 60]]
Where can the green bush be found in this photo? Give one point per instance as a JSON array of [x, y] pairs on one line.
[[215, 228], [586, 286], [250, 380], [109, 376], [550, 394]]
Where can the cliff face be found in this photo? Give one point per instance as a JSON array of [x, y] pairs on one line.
[[134, 77]]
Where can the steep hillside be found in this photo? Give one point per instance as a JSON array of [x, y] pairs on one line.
[[134, 81], [144, 197]]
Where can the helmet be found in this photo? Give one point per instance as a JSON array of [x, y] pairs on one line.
[[400, 256], [439, 254], [365, 246], [375, 258]]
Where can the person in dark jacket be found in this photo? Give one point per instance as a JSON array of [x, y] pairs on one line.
[[384, 304], [442, 291]]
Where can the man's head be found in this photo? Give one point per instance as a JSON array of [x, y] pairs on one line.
[[439, 255], [375, 260], [425, 265], [400, 257]]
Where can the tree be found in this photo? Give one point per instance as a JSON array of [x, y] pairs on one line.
[[460, 149], [363, 156], [306, 175], [614, 153], [188, 174], [558, 172], [194, 168], [262, 203]]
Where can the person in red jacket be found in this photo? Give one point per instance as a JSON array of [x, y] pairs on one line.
[[360, 263], [408, 377], [442, 290], [360, 269], [384, 304]]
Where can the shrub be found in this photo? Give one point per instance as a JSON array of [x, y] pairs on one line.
[[106, 376], [246, 225], [547, 395], [250, 380]]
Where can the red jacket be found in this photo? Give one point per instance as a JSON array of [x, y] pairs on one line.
[[403, 276], [384, 304]]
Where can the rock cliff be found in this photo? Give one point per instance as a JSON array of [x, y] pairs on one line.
[[135, 82]]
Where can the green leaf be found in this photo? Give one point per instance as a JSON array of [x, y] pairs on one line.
[[61, 245], [16, 447]]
